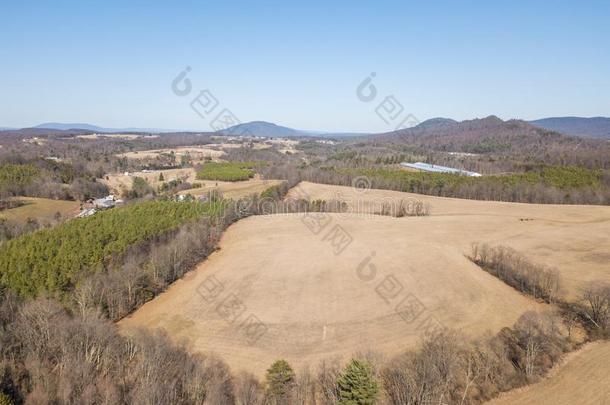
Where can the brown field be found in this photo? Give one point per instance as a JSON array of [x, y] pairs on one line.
[[583, 378], [41, 209], [317, 304], [233, 189], [117, 182], [197, 153], [115, 136], [574, 239]]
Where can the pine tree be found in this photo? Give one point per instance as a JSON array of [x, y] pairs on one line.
[[280, 380], [357, 385]]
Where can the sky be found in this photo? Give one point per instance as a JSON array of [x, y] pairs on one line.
[[300, 64]]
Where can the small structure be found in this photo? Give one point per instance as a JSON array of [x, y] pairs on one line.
[[427, 167], [86, 213], [107, 202]]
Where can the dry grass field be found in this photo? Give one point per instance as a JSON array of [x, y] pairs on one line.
[[197, 153], [114, 136], [574, 239], [41, 209], [233, 189], [583, 378], [117, 182], [395, 279]]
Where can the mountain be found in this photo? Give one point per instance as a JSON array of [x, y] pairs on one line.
[[94, 128], [271, 130], [485, 135], [596, 127], [436, 123], [262, 128], [6, 128]]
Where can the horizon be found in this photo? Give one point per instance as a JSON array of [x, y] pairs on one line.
[[523, 61]]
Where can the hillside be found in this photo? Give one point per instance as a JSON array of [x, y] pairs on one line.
[[595, 127], [491, 135], [316, 304]]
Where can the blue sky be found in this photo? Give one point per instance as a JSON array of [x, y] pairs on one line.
[[299, 63]]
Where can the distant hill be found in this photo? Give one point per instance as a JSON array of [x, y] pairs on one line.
[[94, 128], [493, 135], [269, 129], [596, 127], [262, 128], [437, 123]]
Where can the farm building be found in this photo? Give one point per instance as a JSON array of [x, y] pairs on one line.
[[427, 167]]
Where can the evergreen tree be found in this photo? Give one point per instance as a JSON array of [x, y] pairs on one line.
[[357, 385], [280, 380]]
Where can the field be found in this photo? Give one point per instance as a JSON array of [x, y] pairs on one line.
[[574, 239], [230, 189], [317, 304], [115, 136], [118, 181], [225, 172], [582, 379], [197, 153], [41, 209]]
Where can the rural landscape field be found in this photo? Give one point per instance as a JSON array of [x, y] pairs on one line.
[[318, 203]]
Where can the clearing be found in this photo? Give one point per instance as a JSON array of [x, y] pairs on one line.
[[573, 238], [197, 153], [41, 209], [397, 279], [117, 182], [233, 189]]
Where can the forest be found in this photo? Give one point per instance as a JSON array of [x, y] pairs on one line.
[[52, 260]]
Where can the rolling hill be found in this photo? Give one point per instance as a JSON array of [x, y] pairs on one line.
[[596, 127]]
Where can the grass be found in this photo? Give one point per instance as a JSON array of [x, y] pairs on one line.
[[227, 171], [41, 209]]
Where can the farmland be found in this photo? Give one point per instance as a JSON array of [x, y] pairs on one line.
[[233, 189], [581, 379], [574, 239], [313, 301], [118, 182], [44, 210]]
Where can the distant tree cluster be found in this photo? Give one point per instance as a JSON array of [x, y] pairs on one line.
[[515, 270]]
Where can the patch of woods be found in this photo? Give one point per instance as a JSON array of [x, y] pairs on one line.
[[46, 178], [53, 355], [53, 260], [556, 185], [514, 269]]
